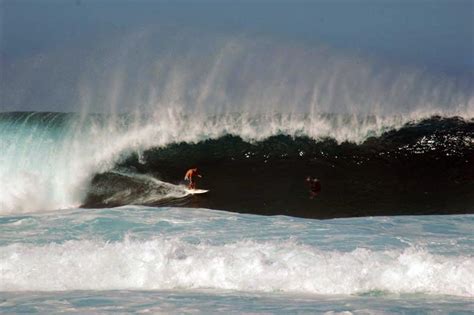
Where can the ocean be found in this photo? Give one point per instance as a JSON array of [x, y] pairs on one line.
[[95, 217], [104, 106]]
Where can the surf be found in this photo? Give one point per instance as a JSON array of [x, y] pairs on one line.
[[51, 159], [148, 248], [167, 264]]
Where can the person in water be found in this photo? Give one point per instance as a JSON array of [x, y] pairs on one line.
[[190, 176], [314, 186]]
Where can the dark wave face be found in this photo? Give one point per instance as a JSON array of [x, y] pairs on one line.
[[252, 164], [422, 168]]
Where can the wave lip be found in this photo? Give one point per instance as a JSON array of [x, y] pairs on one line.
[[51, 158], [169, 263]]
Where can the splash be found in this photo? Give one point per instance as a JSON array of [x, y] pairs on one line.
[[50, 159], [165, 264]]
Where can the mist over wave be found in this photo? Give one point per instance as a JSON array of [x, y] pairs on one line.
[[155, 90], [149, 70]]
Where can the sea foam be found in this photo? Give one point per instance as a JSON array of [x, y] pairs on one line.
[[170, 263]]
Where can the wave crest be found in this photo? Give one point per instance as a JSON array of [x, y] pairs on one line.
[[50, 158]]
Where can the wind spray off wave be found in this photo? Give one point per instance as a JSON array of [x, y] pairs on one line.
[[250, 89]]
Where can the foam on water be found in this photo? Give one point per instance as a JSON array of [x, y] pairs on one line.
[[246, 266], [140, 248]]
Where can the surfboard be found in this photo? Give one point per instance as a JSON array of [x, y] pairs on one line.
[[195, 191]]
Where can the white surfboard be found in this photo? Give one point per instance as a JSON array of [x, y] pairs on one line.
[[195, 191]]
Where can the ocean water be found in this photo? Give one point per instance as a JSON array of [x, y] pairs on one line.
[[103, 108], [95, 217], [58, 160], [169, 259]]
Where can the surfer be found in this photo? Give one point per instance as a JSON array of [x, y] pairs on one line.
[[191, 177], [314, 186]]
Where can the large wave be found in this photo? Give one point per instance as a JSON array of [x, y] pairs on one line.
[[50, 158], [154, 91]]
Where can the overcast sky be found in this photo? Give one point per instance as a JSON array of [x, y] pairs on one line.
[[430, 31], [433, 34]]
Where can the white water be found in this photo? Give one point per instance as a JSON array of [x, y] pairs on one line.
[[46, 168], [143, 248], [163, 263]]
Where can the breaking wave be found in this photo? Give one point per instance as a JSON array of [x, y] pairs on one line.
[[50, 159], [162, 264]]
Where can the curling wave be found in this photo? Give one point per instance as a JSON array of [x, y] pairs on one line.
[[51, 158]]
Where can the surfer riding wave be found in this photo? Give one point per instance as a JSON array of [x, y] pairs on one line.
[[190, 176]]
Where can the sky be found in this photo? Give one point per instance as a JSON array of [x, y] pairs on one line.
[[437, 35]]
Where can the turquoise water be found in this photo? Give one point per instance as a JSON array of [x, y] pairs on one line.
[[205, 302], [146, 259]]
